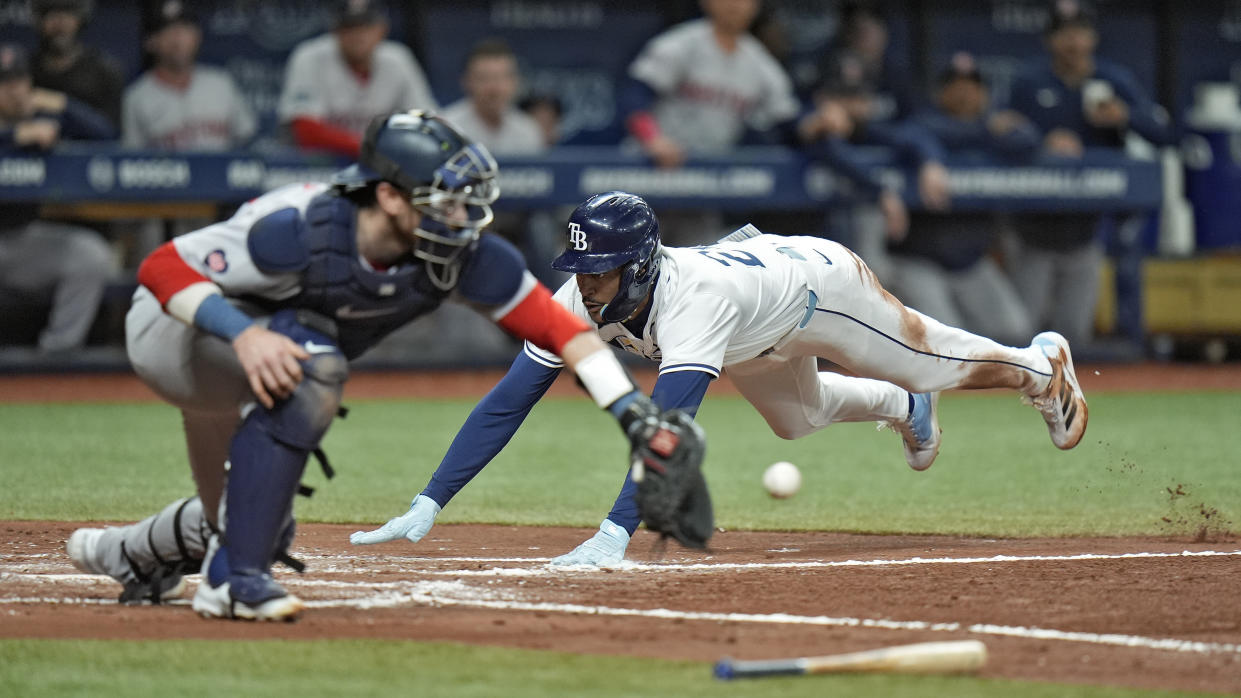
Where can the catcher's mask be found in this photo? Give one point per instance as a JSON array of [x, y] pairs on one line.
[[610, 231], [450, 179]]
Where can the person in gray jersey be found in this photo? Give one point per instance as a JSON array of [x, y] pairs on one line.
[[180, 104], [702, 87], [488, 113], [335, 83]]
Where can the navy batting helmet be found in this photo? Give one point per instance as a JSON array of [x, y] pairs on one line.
[[445, 174], [610, 231]]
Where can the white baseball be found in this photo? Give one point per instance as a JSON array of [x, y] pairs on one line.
[[782, 479]]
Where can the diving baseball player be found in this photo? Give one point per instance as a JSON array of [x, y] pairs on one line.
[[764, 307], [247, 326]]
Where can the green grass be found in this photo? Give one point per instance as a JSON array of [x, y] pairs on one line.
[[997, 475], [398, 668]]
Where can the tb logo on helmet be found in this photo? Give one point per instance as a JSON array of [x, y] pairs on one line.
[[577, 237]]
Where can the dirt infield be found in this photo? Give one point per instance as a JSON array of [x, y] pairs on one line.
[[125, 387], [1132, 612]]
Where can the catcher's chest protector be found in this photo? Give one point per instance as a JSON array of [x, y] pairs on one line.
[[365, 304]]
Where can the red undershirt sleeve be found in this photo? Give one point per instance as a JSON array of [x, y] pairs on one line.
[[164, 273], [312, 133], [541, 320]]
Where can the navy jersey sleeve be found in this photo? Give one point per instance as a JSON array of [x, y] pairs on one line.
[[493, 273], [1146, 117], [912, 142], [81, 122], [682, 390], [635, 95], [843, 158], [490, 426]]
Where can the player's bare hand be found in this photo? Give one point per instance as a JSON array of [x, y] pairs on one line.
[[1063, 142], [41, 133], [835, 119], [828, 120], [48, 101], [666, 152], [895, 215], [271, 363], [933, 186], [1004, 122], [1110, 113]]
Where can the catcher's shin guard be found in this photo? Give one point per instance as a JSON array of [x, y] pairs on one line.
[[150, 557], [269, 453]]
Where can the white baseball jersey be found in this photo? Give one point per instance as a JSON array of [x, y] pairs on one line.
[[210, 113], [519, 133], [715, 305], [707, 96], [318, 84]]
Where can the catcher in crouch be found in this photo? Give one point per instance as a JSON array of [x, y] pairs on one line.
[[247, 326], [765, 307]]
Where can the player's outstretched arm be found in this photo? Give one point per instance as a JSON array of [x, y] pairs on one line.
[[681, 390], [485, 433], [666, 448]]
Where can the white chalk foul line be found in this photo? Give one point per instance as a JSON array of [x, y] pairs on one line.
[[631, 566], [443, 594]]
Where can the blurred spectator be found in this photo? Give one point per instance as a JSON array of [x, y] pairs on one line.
[[178, 104], [65, 64], [1077, 101], [547, 110], [696, 89], [487, 113], [43, 262], [943, 267], [840, 123], [334, 84], [864, 34]]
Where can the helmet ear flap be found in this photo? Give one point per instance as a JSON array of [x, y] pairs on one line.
[[636, 281]]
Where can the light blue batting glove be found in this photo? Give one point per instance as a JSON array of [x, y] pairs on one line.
[[412, 525], [605, 548]]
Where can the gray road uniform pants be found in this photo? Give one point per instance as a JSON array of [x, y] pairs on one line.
[[67, 264], [198, 373]]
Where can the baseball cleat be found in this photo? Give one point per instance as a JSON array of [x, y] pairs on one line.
[[1063, 405], [218, 602], [222, 594], [920, 431]]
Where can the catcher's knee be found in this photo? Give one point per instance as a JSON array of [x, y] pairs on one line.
[[303, 418]]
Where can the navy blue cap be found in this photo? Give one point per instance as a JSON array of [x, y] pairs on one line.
[[961, 66], [354, 13], [1069, 13], [168, 13]]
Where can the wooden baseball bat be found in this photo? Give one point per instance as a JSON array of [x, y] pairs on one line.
[[922, 658]]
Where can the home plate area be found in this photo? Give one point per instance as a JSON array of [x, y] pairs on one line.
[[1152, 613]]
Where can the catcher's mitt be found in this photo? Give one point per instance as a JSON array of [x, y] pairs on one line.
[[667, 451]]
